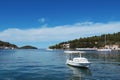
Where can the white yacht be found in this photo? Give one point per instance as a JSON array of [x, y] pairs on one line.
[[48, 49], [78, 61], [104, 50]]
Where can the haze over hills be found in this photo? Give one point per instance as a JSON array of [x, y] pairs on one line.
[[91, 42]]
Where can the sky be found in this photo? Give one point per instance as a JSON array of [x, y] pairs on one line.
[[43, 23]]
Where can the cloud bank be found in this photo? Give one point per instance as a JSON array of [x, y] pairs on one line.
[[59, 33]]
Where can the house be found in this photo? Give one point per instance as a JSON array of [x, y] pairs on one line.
[[66, 46], [113, 47]]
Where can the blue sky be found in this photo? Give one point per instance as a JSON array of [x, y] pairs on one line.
[[46, 22]]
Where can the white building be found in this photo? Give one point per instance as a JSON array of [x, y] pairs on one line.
[[66, 46], [113, 47]]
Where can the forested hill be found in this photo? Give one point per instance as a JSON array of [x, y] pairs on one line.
[[90, 42], [28, 47], [6, 45]]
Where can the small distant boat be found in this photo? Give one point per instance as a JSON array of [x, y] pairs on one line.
[[48, 49], [77, 61], [103, 49], [86, 49]]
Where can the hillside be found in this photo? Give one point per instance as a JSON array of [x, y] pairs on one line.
[[7, 45], [28, 47], [90, 42]]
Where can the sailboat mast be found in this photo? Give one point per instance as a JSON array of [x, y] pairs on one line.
[[105, 39]]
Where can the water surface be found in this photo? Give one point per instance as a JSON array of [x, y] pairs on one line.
[[50, 65]]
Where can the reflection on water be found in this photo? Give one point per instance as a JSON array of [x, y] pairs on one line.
[[80, 73], [97, 57]]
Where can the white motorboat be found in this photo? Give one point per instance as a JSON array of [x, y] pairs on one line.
[[76, 61], [48, 49]]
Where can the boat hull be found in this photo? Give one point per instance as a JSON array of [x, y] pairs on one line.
[[71, 63]]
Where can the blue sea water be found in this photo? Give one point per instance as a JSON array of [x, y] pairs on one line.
[[50, 65]]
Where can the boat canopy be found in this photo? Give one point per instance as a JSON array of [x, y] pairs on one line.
[[72, 52]]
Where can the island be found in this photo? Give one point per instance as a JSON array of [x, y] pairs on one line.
[[28, 47], [7, 45]]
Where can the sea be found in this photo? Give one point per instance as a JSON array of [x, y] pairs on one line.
[[42, 64]]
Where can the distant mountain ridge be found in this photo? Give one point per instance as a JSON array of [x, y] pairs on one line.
[[90, 42]]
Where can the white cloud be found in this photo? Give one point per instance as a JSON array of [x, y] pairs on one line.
[[41, 20], [59, 33]]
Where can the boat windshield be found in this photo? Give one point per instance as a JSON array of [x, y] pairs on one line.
[[71, 56]]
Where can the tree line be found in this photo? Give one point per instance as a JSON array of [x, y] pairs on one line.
[[8, 45], [91, 42]]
